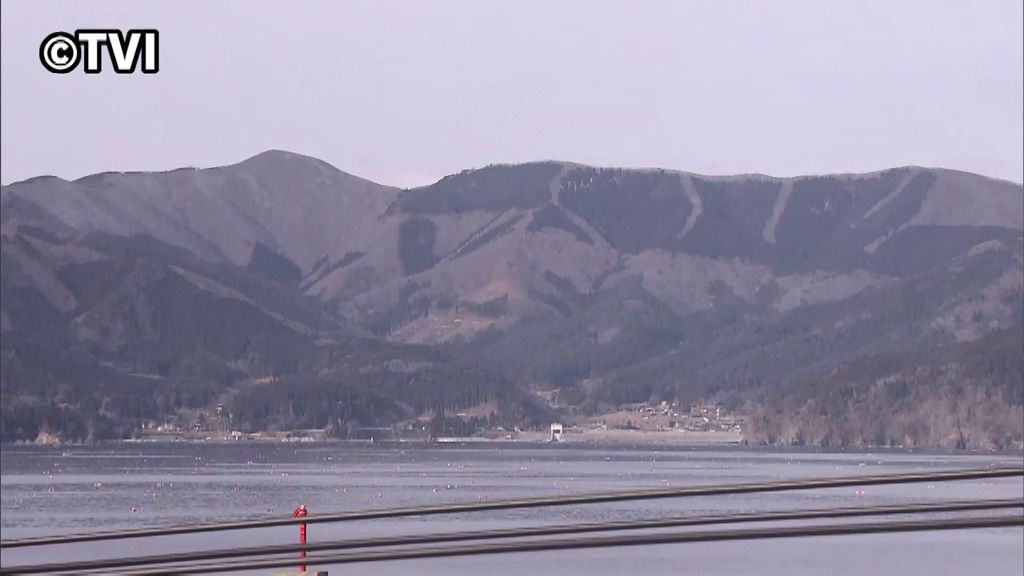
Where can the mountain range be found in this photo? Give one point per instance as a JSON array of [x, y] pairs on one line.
[[846, 310]]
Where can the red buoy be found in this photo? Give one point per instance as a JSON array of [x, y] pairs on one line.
[[300, 512]]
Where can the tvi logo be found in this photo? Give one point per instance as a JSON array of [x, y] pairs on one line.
[[61, 52]]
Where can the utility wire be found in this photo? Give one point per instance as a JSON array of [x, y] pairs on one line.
[[611, 541], [562, 500], [419, 539]]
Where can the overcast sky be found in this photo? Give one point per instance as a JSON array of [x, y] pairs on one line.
[[406, 92]]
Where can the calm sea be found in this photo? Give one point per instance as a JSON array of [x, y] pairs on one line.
[[60, 490]]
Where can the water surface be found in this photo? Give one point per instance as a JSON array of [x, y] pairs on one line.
[[62, 490]]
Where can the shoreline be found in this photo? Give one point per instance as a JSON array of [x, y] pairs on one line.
[[612, 439]]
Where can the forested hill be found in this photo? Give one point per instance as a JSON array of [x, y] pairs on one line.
[[300, 296]]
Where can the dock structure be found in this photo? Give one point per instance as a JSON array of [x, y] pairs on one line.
[[556, 433]]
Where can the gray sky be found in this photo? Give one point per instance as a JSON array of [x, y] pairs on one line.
[[406, 92]]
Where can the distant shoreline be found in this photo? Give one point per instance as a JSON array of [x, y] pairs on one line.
[[610, 439]]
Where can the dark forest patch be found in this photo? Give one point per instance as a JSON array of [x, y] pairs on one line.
[[635, 211], [271, 265], [416, 237], [733, 218], [552, 216], [493, 188]]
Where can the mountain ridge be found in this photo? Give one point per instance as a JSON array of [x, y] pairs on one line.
[[271, 152], [614, 285]]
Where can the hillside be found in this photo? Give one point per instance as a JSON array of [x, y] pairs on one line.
[[104, 334], [614, 285], [969, 394]]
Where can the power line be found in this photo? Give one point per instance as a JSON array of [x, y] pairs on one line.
[[564, 500], [606, 542], [419, 539]]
